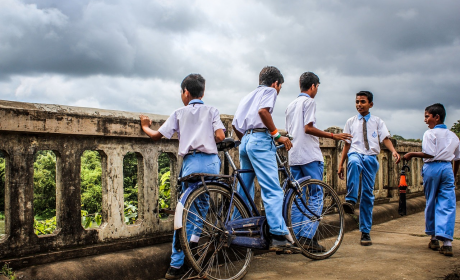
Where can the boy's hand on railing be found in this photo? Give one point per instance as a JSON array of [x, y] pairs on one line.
[[145, 121], [340, 172], [342, 136], [287, 143]]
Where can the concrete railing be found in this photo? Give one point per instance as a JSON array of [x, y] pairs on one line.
[[26, 128]]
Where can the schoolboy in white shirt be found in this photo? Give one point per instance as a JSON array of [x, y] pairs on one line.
[[439, 147], [198, 128], [362, 151], [253, 124], [305, 157]]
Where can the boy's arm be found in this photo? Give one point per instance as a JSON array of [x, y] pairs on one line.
[[310, 129], [145, 124], [345, 150], [219, 135], [389, 145], [267, 120], [410, 155], [238, 133]]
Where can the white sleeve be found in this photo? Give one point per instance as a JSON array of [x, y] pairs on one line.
[[170, 126], [429, 143], [346, 129], [309, 112], [216, 121], [457, 153], [383, 131], [268, 99]]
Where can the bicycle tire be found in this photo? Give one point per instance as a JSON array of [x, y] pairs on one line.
[[205, 256], [317, 237]]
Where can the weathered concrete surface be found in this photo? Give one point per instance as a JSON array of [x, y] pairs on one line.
[[399, 251], [152, 262]]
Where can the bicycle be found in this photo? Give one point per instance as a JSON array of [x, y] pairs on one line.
[[221, 229]]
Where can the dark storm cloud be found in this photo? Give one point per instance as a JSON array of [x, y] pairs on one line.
[[406, 52]]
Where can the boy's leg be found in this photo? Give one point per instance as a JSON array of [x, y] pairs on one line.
[[445, 203], [245, 163], [431, 180], [354, 168], [370, 168], [197, 163], [315, 198], [261, 151]]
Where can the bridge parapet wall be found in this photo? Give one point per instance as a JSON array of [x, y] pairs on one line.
[[26, 128]]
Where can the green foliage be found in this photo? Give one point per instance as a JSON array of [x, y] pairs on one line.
[[165, 191], [130, 213], [45, 184], [399, 137], [2, 183], [130, 189], [42, 227], [164, 184], [88, 220], [7, 271], [91, 186], [456, 128]]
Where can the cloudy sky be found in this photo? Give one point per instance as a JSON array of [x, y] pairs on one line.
[[131, 55]]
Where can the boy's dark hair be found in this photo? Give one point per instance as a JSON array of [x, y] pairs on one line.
[[368, 94], [437, 109], [308, 79], [269, 75], [195, 84]]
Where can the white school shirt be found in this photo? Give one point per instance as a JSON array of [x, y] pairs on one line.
[[305, 147], [441, 143], [247, 113], [195, 125], [376, 130]]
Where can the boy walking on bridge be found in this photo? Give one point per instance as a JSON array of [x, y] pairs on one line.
[[253, 124], [198, 128], [439, 147], [305, 157], [362, 151]]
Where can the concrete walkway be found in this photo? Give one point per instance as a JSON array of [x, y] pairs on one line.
[[399, 251]]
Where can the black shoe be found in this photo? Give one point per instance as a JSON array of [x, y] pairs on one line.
[[311, 245], [446, 251], [279, 243], [366, 239], [176, 273], [434, 245], [349, 207]]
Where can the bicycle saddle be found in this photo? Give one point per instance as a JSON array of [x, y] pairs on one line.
[[227, 144]]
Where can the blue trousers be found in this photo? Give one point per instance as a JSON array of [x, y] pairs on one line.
[[196, 163], [438, 181], [301, 224], [367, 167], [258, 152]]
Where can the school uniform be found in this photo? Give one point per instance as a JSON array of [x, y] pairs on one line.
[[258, 152], [438, 181], [367, 132], [195, 125], [305, 159]]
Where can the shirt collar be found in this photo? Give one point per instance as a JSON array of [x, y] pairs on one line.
[[196, 101], [367, 117], [304, 94], [440, 126], [262, 86]]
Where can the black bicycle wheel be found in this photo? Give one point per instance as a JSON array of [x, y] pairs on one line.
[[203, 238], [316, 219]]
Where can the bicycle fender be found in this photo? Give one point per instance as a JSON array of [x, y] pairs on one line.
[[180, 206], [289, 193]]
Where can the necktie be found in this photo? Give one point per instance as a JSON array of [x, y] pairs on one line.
[[366, 143]]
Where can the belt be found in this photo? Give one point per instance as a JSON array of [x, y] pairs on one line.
[[254, 130], [191, 152], [437, 161]]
